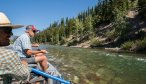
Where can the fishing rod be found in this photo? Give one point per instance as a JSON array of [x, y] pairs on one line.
[[39, 72]]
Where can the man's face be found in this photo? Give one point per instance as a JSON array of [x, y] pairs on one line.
[[31, 33], [5, 34]]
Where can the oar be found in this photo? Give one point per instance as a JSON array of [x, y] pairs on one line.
[[39, 72]]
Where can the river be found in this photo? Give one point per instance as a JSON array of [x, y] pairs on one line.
[[97, 66]]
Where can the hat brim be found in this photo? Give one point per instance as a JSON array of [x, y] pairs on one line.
[[13, 26], [37, 30]]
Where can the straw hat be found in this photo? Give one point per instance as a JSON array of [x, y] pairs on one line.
[[5, 22]]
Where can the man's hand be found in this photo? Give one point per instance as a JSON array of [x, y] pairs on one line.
[[35, 45], [24, 62], [44, 51]]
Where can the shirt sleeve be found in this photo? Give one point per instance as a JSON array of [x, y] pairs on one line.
[[19, 70], [26, 44]]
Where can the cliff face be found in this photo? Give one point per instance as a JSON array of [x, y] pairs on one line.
[[135, 35], [137, 32]]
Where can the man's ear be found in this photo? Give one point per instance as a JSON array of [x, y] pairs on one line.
[[27, 31]]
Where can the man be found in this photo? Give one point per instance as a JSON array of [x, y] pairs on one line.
[[23, 47], [10, 63]]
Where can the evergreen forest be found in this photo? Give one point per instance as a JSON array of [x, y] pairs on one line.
[[109, 24]]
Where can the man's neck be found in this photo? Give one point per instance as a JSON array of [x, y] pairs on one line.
[[28, 34]]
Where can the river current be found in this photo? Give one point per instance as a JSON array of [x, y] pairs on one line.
[[97, 66]]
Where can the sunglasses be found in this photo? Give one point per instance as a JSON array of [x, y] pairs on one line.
[[34, 31], [7, 30]]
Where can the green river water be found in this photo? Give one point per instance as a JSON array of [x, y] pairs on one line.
[[97, 66]]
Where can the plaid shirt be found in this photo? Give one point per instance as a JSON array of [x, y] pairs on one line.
[[10, 64]]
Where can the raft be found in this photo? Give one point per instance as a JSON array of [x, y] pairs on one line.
[[56, 78]]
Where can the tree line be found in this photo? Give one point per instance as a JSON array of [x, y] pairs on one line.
[[86, 24]]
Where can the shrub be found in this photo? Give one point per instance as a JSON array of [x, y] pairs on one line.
[[138, 45], [127, 45], [141, 43], [95, 42]]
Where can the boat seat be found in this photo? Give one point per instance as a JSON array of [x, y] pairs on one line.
[[32, 65]]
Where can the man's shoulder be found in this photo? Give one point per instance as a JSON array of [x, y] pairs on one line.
[[24, 36], [6, 50]]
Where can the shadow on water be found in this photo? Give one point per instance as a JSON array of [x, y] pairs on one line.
[[93, 66]]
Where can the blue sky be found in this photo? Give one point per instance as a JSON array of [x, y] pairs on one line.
[[42, 12]]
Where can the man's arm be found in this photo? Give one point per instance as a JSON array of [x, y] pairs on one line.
[[19, 69], [33, 52]]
